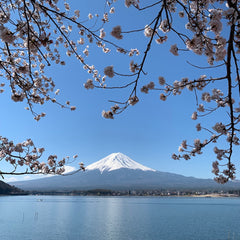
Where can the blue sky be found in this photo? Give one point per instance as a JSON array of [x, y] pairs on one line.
[[148, 133]]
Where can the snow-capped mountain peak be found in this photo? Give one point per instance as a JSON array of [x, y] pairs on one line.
[[116, 161]]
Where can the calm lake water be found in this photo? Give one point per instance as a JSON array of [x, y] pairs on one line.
[[118, 218]]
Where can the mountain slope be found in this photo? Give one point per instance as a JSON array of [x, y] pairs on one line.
[[118, 172], [6, 189], [122, 179]]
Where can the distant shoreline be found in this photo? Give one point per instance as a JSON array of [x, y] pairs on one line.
[[104, 195], [125, 194]]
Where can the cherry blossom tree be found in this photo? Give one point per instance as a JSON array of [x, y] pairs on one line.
[[212, 29], [35, 33], [26, 49]]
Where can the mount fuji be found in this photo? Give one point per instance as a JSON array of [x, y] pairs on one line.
[[119, 172], [116, 161]]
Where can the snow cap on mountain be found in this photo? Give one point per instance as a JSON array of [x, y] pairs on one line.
[[116, 161]]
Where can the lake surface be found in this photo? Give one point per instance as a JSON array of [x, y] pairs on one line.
[[118, 218]]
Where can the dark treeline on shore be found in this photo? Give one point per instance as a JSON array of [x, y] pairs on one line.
[[106, 192]]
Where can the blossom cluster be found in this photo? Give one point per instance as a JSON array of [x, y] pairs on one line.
[[31, 41], [26, 155]]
